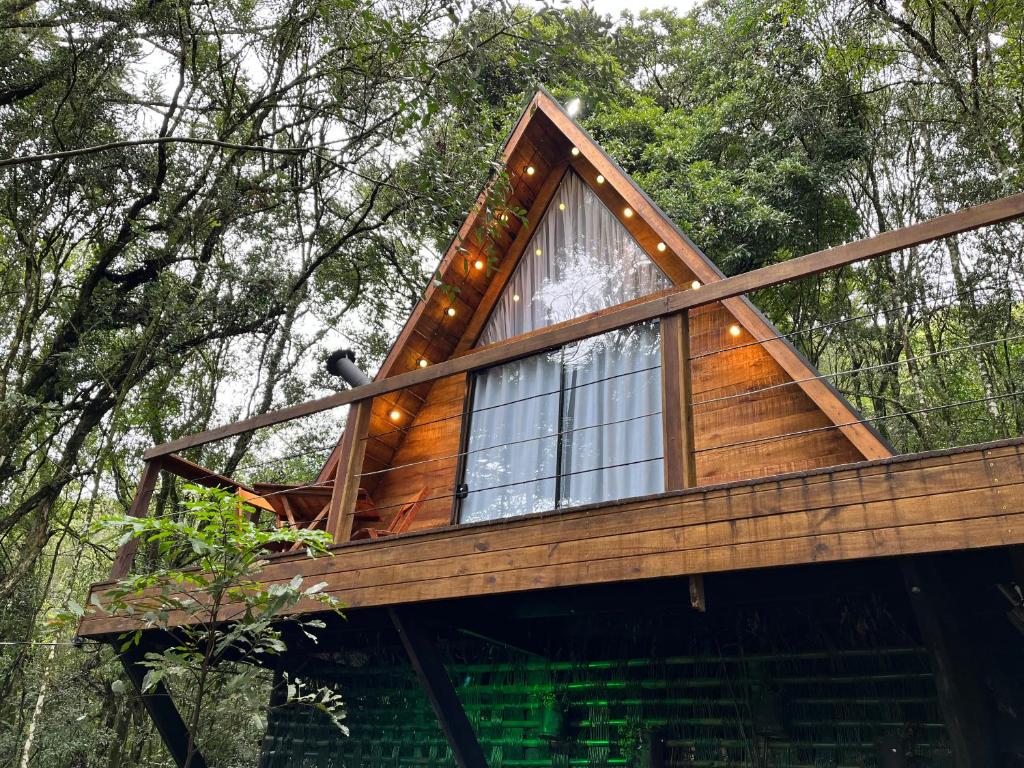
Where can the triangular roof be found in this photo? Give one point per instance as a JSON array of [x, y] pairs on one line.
[[544, 143]]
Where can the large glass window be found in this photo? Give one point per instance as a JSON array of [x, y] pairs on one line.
[[575, 426], [581, 424]]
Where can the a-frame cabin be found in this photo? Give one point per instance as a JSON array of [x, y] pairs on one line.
[[613, 517], [586, 239]]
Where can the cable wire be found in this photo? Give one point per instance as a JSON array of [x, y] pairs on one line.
[[930, 409], [954, 299], [877, 367]]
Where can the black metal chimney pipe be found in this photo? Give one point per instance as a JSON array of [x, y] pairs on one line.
[[343, 363]]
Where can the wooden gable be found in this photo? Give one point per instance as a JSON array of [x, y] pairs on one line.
[[740, 381]]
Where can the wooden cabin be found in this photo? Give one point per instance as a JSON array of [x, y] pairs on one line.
[[613, 517]]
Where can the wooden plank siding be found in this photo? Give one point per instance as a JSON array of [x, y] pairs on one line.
[[940, 501], [426, 458]]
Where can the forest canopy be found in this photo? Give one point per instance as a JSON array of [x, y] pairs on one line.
[[199, 201]]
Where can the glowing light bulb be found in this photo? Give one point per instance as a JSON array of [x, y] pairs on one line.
[[561, 206], [515, 297], [627, 212], [575, 152], [695, 285], [450, 311], [661, 247], [395, 414], [423, 362], [573, 107], [600, 179], [530, 170], [479, 263], [734, 330], [537, 251]]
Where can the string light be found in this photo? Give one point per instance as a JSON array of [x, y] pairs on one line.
[[734, 329], [627, 212], [695, 285], [530, 170], [575, 152], [515, 297], [395, 414], [600, 179], [661, 247], [479, 263], [537, 252], [450, 311], [423, 362], [561, 206]]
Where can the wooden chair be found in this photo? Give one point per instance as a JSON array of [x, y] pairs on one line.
[[400, 523], [306, 507]]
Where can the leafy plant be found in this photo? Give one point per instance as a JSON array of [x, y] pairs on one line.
[[227, 622]]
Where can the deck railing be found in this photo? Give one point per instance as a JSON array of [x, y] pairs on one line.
[[672, 308]]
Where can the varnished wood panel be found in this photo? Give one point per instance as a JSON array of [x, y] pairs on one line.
[[757, 432], [933, 502], [426, 458]]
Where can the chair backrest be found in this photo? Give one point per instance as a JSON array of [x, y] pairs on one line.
[[404, 517]]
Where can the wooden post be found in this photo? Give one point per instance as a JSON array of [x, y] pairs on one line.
[[677, 419], [963, 700], [139, 508], [439, 689], [346, 473], [160, 706], [677, 402]]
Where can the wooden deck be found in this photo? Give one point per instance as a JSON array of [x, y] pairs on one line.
[[962, 498]]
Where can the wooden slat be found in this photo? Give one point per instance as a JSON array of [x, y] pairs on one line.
[[937, 502], [606, 320]]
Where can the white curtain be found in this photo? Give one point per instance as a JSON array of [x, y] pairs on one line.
[[576, 425], [612, 437], [513, 439], [587, 261]]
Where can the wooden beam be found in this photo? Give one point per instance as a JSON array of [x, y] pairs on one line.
[[596, 323], [200, 475], [139, 508], [945, 500], [341, 511], [439, 689], [677, 403], [161, 709], [963, 700]]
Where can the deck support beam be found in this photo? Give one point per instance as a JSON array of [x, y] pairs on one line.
[[161, 709], [958, 677], [439, 689]]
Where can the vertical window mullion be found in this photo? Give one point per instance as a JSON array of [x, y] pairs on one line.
[[560, 429]]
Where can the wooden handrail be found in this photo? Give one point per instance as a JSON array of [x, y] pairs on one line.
[[666, 303]]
